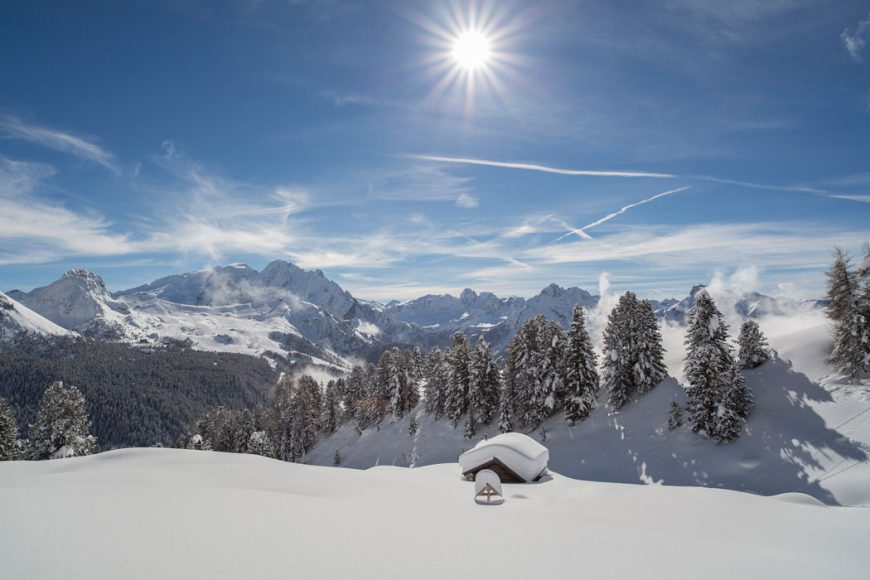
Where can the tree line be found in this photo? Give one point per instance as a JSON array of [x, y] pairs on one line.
[[546, 370]]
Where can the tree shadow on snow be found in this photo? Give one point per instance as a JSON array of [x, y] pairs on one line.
[[784, 438]]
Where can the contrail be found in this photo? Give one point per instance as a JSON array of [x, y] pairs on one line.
[[536, 167], [582, 231]]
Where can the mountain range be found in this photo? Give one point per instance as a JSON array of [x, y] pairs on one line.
[[298, 314]]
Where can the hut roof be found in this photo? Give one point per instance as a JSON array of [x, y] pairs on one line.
[[521, 454]]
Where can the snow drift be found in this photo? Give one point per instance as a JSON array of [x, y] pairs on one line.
[[161, 513]]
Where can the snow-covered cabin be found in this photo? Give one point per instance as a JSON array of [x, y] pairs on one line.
[[514, 457]]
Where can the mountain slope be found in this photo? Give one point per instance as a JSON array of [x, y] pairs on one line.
[[16, 319]]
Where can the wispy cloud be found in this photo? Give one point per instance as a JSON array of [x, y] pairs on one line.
[[854, 42], [582, 231], [861, 198], [34, 230], [537, 167], [467, 201], [346, 99], [13, 127]]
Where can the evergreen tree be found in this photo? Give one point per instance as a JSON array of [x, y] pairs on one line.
[[456, 403], [260, 444], [753, 349], [331, 408], [505, 408], [844, 310], [8, 433], [402, 380], [243, 425], [675, 416], [864, 306], [549, 359], [619, 351], [581, 376], [354, 393], [62, 427], [719, 400], [649, 355], [435, 390], [279, 419], [484, 384]]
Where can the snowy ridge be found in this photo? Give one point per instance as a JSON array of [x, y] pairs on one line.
[[307, 317], [16, 318]]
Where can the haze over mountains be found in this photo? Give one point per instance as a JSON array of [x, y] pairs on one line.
[[302, 314]]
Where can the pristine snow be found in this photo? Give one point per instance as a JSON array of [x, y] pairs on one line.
[[809, 433], [163, 513], [522, 454], [15, 318]]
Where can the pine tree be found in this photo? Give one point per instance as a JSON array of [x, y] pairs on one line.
[[484, 384], [719, 400], [649, 355], [675, 416], [435, 391], [354, 393], [331, 407], [279, 419], [456, 403], [550, 357], [505, 408], [864, 306], [753, 349], [844, 310], [522, 373], [62, 427], [260, 444], [8, 433], [581, 376], [619, 351], [244, 424]]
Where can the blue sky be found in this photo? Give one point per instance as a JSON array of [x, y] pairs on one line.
[[139, 139]]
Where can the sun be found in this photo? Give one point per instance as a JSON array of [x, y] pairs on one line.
[[471, 50]]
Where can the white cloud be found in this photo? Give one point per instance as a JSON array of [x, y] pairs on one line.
[[854, 42], [582, 231], [861, 198], [537, 167], [344, 99], [466, 201], [33, 230], [15, 128]]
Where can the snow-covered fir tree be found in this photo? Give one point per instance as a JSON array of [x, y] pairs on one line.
[[353, 395], [331, 407], [279, 419], [243, 425], [581, 376], [675, 416], [435, 390], [62, 427], [864, 306], [633, 352], [619, 348], [844, 310], [649, 355], [547, 397], [505, 408], [752, 344], [403, 380], [484, 384], [719, 400], [307, 411], [8, 433], [535, 371], [260, 444], [456, 402]]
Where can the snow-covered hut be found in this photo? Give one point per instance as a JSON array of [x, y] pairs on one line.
[[514, 457]]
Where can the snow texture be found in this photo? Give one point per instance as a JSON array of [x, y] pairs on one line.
[[165, 513], [522, 454]]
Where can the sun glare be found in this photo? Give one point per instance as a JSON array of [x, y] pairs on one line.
[[471, 50]]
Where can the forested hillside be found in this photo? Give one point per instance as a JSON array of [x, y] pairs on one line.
[[135, 397]]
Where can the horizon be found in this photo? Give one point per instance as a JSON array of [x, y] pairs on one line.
[[371, 141], [740, 283]]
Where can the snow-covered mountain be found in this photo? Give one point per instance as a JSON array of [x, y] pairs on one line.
[[16, 318], [748, 305], [309, 318]]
